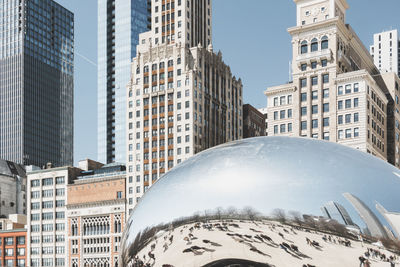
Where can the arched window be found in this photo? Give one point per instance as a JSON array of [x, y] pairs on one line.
[[324, 43], [314, 45], [304, 47]]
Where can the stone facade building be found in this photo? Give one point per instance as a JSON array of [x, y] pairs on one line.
[[182, 97], [337, 93]]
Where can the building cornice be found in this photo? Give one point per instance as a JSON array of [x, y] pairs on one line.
[[284, 88], [102, 203]]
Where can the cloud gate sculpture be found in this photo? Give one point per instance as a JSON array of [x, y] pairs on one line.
[[269, 201]]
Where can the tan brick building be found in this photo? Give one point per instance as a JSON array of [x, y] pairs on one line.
[[96, 217]]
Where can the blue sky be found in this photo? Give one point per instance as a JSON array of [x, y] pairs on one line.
[[250, 33]]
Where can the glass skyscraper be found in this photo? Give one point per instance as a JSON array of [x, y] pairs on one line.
[[119, 26], [36, 82]]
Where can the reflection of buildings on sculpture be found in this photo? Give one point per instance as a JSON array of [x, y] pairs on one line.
[[182, 97], [337, 93], [393, 218], [335, 211], [372, 222]]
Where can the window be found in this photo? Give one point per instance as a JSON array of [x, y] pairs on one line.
[[314, 45], [326, 136], [282, 114], [60, 180], [289, 127], [340, 90], [355, 119], [326, 93], [324, 63], [283, 128], [47, 181], [340, 119], [314, 95], [356, 132], [324, 43], [304, 47], [355, 102], [348, 118], [276, 129], [314, 64], [289, 99], [275, 101], [340, 104], [356, 88], [348, 89], [348, 103], [289, 113], [303, 111], [325, 78], [275, 115], [303, 67], [326, 122], [303, 82], [314, 80], [35, 183], [314, 109], [325, 107], [314, 124], [303, 97], [348, 133], [304, 125], [340, 134]]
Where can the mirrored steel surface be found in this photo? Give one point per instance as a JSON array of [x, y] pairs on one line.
[[269, 201]]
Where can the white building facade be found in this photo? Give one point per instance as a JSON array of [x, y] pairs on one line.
[[335, 94], [386, 51], [182, 97]]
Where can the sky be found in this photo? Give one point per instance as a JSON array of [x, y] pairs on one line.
[[251, 34]]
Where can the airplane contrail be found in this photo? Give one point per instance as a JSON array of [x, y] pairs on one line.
[[86, 59]]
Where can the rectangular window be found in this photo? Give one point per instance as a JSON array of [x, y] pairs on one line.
[[303, 111], [290, 127], [355, 102], [340, 90], [326, 136], [356, 132], [324, 63], [275, 101], [314, 95], [326, 93], [314, 80], [282, 100], [276, 129], [289, 113], [356, 117], [340, 119], [325, 107], [348, 89], [283, 128], [303, 67], [289, 99], [275, 115], [282, 114], [304, 125], [348, 133], [356, 88], [314, 65], [348, 118], [314, 124], [348, 103], [326, 122], [47, 181], [303, 82], [325, 78], [340, 105], [303, 97], [60, 180], [315, 109], [340, 134]]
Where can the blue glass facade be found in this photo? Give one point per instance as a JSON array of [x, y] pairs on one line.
[[119, 26], [36, 81]]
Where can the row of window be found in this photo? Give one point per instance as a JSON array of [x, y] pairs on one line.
[[314, 45], [283, 128], [314, 64], [47, 181], [47, 204], [314, 124], [349, 133], [348, 103], [283, 100], [283, 114], [314, 95], [9, 241], [348, 89], [348, 118], [48, 215], [314, 80], [48, 193], [314, 109]]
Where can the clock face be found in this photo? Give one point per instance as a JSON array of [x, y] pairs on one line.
[[315, 11]]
